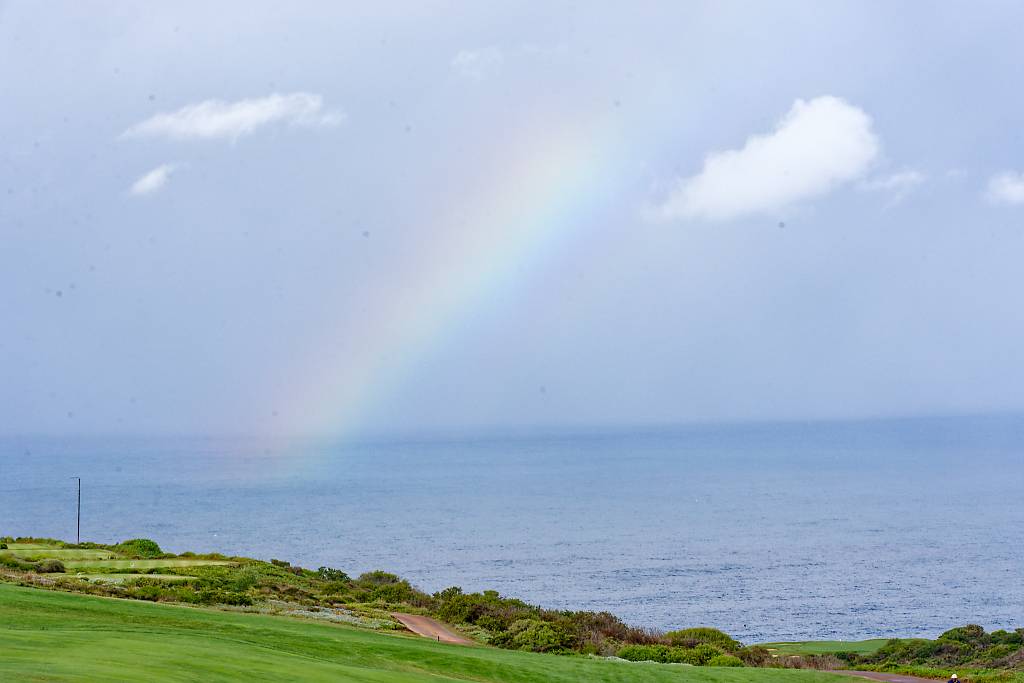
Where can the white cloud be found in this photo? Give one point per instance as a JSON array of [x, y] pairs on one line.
[[1006, 188], [817, 146], [213, 119], [898, 184], [478, 64], [153, 181]]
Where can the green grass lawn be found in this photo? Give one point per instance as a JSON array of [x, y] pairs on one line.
[[37, 551], [824, 647], [54, 636]]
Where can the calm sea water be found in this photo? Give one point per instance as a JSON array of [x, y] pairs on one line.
[[782, 531]]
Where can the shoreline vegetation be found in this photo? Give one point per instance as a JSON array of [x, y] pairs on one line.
[[138, 569]]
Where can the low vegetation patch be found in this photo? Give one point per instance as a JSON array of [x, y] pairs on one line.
[[139, 569]]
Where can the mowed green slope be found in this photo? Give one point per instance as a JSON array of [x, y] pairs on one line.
[[51, 636]]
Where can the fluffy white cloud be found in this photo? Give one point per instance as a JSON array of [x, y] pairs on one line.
[[1006, 188], [477, 64], [153, 181], [817, 146], [213, 119]]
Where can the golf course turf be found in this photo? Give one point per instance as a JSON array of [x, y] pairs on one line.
[[55, 636]]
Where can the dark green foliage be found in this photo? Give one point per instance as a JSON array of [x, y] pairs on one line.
[[691, 637], [533, 635], [972, 634], [50, 567], [964, 646], [139, 548], [16, 563], [725, 660], [329, 574], [280, 563], [400, 592], [645, 653], [1007, 638], [700, 655], [377, 578], [704, 653], [754, 655], [3, 546]]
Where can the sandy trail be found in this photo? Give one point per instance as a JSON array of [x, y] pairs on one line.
[[885, 677], [430, 628]]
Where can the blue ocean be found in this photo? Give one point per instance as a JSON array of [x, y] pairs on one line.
[[773, 531]]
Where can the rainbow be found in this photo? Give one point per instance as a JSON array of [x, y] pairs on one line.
[[545, 194]]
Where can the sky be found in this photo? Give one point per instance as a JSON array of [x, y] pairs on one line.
[[331, 218]]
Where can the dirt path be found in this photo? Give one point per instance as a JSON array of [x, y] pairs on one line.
[[885, 677], [430, 628]]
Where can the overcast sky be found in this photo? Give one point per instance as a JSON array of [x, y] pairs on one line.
[[311, 218]]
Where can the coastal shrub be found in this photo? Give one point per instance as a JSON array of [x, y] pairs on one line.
[[488, 609], [594, 628], [3, 546], [377, 578], [702, 654], [533, 635], [245, 578], [972, 634], [139, 547], [997, 652], [725, 660], [280, 563], [644, 653], [1002, 637], [50, 567], [330, 574], [400, 592], [754, 655], [39, 541], [16, 563], [703, 635], [222, 597]]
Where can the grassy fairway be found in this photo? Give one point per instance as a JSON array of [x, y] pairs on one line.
[[826, 647], [52, 636], [32, 551]]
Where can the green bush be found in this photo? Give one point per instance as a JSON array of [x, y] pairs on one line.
[[329, 574], [1002, 637], [16, 563], [704, 653], [533, 635], [998, 652], [377, 578], [971, 634], [725, 660], [139, 547], [3, 546], [392, 593], [644, 653], [754, 655], [703, 635], [50, 567]]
